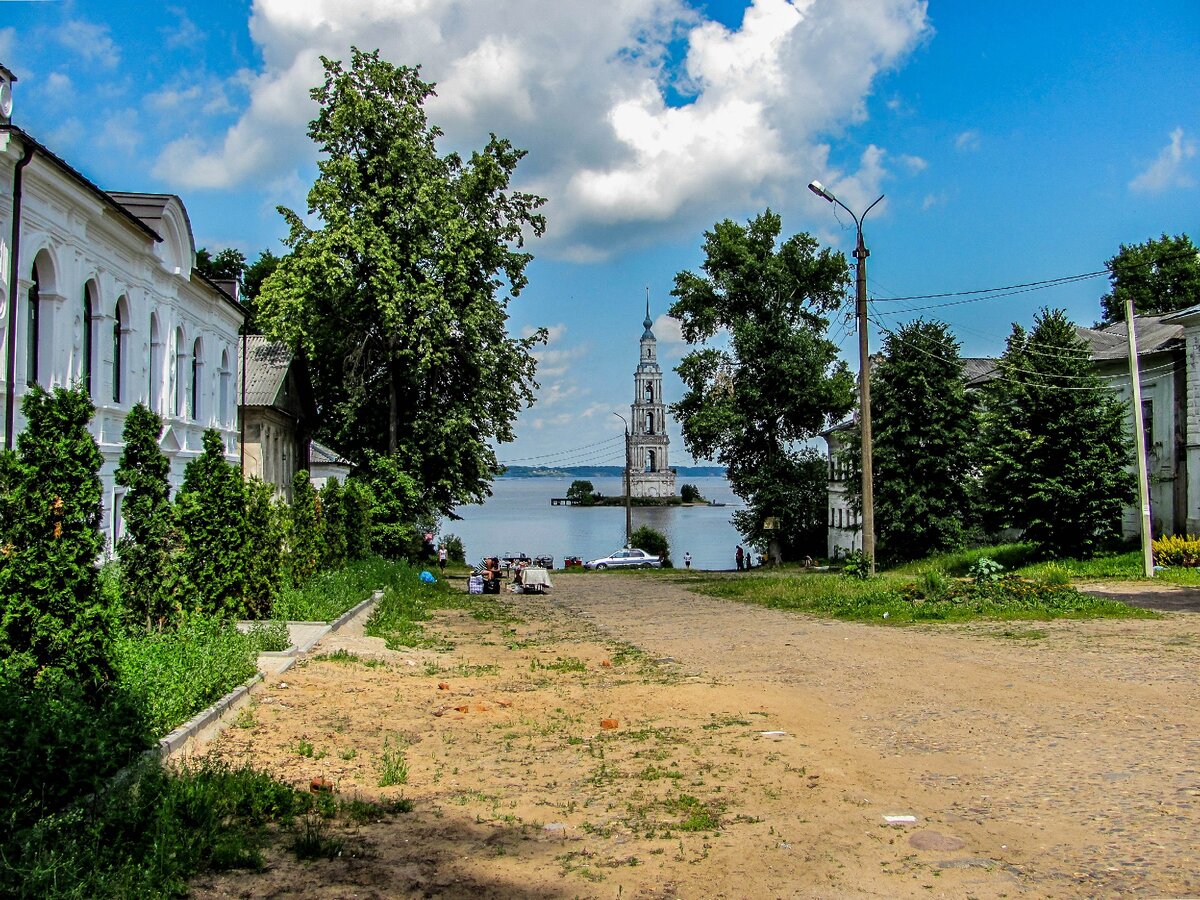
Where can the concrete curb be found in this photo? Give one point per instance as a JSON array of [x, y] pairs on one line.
[[208, 723]]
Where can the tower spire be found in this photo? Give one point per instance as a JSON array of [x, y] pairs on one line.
[[647, 322]]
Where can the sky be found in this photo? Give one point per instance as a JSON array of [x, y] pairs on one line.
[[1013, 142]]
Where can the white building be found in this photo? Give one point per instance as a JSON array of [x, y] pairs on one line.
[[650, 475], [98, 288]]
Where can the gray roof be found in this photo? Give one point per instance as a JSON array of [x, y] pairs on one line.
[[1111, 342], [978, 370], [319, 454], [148, 208], [266, 368]]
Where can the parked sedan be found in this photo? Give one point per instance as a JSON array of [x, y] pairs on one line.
[[638, 559]]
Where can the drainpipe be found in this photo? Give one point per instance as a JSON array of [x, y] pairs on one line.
[[10, 399]]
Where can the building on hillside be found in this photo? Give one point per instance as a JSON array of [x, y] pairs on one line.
[[99, 288], [277, 413], [650, 474]]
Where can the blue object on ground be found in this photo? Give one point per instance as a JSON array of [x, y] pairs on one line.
[[428, 578]]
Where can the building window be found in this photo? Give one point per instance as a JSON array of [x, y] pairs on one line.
[[87, 338], [156, 366], [118, 349], [33, 331], [223, 407], [197, 372], [180, 406], [1148, 424]]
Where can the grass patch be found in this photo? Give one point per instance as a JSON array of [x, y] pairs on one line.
[[330, 594], [407, 602], [895, 598]]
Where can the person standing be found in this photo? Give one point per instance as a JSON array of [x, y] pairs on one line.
[[442, 558], [739, 557], [687, 560]]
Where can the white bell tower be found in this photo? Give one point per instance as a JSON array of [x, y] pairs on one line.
[[650, 475]]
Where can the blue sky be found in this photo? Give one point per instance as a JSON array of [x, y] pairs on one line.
[[1014, 142]]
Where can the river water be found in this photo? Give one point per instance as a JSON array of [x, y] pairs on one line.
[[518, 518]]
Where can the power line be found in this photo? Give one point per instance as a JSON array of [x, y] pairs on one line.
[[608, 440]]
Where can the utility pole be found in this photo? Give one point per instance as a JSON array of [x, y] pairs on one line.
[[864, 378], [628, 464], [1139, 440]]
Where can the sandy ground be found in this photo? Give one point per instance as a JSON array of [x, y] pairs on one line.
[[755, 754]]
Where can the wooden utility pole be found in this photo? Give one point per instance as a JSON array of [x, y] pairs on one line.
[[1139, 440]]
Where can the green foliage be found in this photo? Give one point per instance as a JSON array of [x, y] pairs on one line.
[[358, 501], [653, 541], [689, 493], [330, 594], [1055, 446], [149, 549], [406, 603], [148, 835], [333, 524], [582, 492], [306, 532], [227, 263], [780, 381], [52, 617], [924, 437], [266, 520], [398, 298], [176, 673], [794, 492], [396, 506], [856, 565], [211, 510], [984, 571], [1159, 276]]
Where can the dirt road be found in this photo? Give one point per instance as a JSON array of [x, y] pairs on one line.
[[755, 754]]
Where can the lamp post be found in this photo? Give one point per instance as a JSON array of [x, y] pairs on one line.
[[628, 463], [860, 254]]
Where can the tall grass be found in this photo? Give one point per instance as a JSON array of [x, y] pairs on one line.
[[330, 594]]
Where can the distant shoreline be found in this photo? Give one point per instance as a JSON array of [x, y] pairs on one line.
[[604, 472]]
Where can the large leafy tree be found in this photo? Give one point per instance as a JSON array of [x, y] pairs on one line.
[[399, 298], [1160, 276], [1055, 443], [793, 496], [766, 377], [924, 442]]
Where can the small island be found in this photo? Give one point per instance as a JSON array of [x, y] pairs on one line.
[[583, 493]]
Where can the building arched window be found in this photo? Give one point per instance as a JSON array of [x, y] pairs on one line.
[[650, 461], [120, 326], [197, 377], [649, 423], [88, 323], [649, 393], [223, 416], [181, 361], [157, 375], [33, 331]]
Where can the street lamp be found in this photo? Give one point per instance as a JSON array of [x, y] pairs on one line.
[[628, 463], [860, 254]]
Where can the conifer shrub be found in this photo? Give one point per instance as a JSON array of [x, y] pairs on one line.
[[211, 508], [149, 549], [652, 541], [358, 501], [333, 521], [266, 520], [306, 540]]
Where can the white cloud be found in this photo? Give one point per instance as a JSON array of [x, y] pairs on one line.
[[59, 84], [967, 141], [186, 33], [668, 330], [913, 164], [1170, 169], [581, 86], [89, 41], [932, 200], [8, 39]]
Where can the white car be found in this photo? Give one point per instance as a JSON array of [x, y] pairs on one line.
[[638, 559]]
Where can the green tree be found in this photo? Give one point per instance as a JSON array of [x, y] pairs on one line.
[[1160, 276], [211, 510], [149, 548], [924, 439], [227, 263], [689, 493], [53, 620], [358, 500], [793, 496], [265, 520], [653, 541], [773, 379], [1055, 444], [306, 536], [333, 516], [396, 505], [399, 299], [582, 492]]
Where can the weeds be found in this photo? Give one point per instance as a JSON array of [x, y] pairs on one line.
[[393, 766]]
